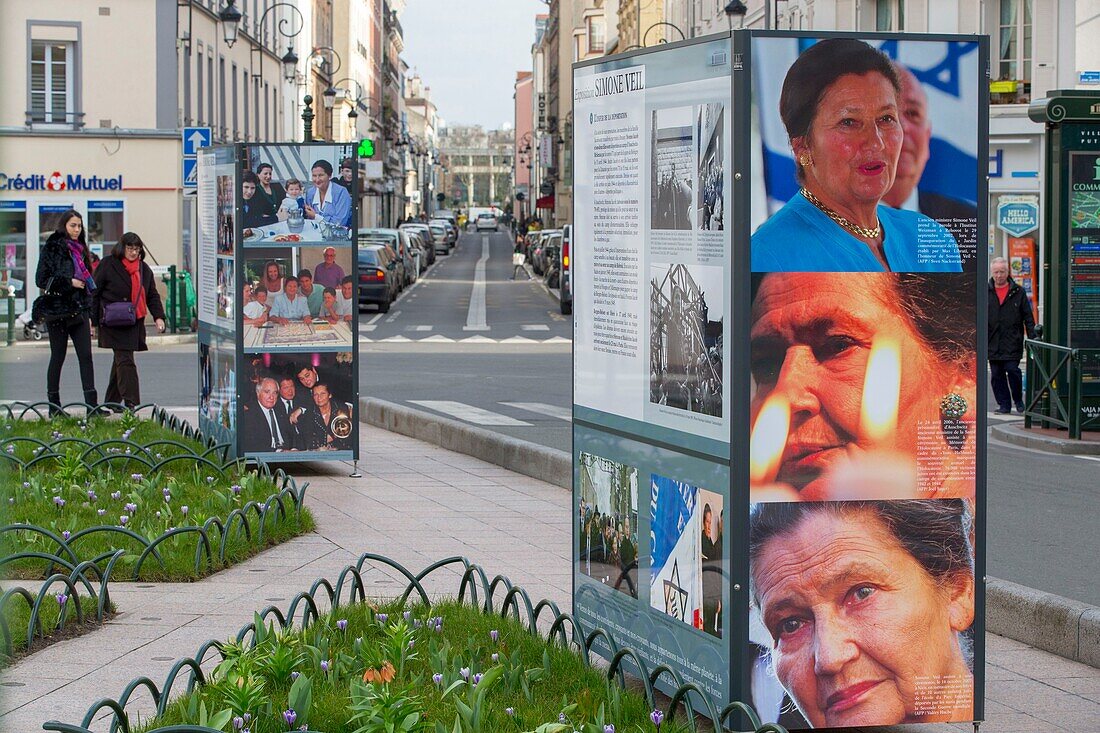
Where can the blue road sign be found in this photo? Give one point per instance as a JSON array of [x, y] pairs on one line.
[[195, 138], [190, 173]]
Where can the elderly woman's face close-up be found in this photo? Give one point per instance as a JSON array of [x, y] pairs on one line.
[[861, 632], [853, 142], [811, 338]]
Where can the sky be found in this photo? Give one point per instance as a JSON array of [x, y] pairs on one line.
[[468, 52]]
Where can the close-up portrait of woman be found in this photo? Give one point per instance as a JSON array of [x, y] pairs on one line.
[[868, 608], [839, 105], [864, 386]]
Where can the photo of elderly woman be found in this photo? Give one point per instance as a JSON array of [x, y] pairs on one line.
[[864, 386], [862, 612], [834, 120]]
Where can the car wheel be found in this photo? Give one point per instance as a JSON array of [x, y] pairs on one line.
[[566, 307], [384, 306]]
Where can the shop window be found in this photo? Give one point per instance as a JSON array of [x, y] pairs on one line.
[[13, 247], [52, 92], [1012, 83], [105, 226]]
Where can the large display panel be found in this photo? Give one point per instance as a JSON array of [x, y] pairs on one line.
[[793, 515], [277, 250]]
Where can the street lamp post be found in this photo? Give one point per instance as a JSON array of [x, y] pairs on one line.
[[307, 120]]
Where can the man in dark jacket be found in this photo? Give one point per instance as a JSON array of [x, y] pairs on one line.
[[1009, 319]]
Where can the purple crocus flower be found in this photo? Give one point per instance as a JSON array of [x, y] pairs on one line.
[[657, 717], [92, 496], [510, 711], [136, 477], [294, 675], [342, 624], [61, 598], [131, 507], [116, 495], [411, 642], [238, 722], [184, 510], [561, 718], [236, 489], [437, 678], [324, 665], [123, 519], [465, 672], [609, 728], [407, 615], [477, 678], [100, 512], [65, 534], [494, 635], [59, 501], [494, 656], [290, 716], [382, 617]]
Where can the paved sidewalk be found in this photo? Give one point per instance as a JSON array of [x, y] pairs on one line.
[[418, 503]]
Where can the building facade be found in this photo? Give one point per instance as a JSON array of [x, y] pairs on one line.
[[523, 145], [479, 165], [98, 129]]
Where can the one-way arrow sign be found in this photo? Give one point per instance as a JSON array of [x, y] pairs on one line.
[[195, 138]]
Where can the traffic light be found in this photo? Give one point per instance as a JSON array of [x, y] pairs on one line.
[[366, 148]]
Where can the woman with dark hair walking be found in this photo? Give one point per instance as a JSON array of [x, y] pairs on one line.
[[126, 293], [64, 276]]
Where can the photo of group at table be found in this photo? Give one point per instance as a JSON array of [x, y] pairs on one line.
[[303, 296], [298, 194], [299, 402]]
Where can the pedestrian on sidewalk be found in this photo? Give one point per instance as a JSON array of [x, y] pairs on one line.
[[518, 260], [64, 276], [1009, 319], [123, 277]]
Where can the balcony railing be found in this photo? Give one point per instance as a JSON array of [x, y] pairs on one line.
[[40, 118]]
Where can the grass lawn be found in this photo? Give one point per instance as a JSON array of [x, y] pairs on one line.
[[68, 494], [446, 668], [17, 616]]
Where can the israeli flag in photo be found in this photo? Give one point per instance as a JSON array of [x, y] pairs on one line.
[[949, 75], [675, 581]]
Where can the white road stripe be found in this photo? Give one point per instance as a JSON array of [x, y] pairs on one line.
[[393, 316], [469, 413], [419, 328], [541, 408], [475, 317], [367, 328], [535, 327], [374, 320]]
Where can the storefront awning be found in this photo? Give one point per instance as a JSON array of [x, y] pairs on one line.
[[545, 202]]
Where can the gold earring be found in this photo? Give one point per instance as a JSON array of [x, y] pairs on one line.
[[805, 160]]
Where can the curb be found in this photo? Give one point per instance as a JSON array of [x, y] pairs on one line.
[[151, 341], [539, 462], [1050, 444], [1061, 626]]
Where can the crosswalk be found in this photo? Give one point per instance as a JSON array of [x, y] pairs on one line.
[[422, 334], [488, 418]]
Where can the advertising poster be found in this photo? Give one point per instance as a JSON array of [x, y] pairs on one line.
[[207, 245], [297, 302], [609, 523], [917, 181], [651, 350], [865, 380]]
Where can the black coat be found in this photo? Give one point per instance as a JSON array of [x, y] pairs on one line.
[[255, 431], [1008, 322], [54, 277], [113, 286]]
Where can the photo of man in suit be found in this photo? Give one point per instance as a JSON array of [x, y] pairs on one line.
[[264, 427]]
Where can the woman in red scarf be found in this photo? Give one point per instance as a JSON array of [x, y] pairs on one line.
[[124, 277]]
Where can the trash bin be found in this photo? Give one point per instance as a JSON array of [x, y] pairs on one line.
[[180, 301]]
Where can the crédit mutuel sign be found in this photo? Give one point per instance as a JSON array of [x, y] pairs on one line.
[[58, 182]]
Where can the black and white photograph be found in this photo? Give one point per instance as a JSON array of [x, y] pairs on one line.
[[686, 303], [712, 155], [608, 516], [673, 166]]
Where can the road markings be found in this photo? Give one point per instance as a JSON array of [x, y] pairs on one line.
[[470, 414], [418, 328], [541, 408], [535, 327], [367, 328], [374, 320], [475, 316]]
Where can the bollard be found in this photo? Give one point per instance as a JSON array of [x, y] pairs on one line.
[[11, 317], [172, 294]]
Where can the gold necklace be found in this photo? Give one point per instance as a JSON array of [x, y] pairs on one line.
[[856, 229]]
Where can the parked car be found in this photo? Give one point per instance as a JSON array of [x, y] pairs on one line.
[[452, 230], [426, 234], [529, 242], [447, 214], [377, 276], [440, 236], [565, 266], [538, 257], [550, 259], [398, 242], [486, 222], [419, 251]]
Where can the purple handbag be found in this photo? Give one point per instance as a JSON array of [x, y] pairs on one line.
[[118, 315]]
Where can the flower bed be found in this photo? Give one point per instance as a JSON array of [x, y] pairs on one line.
[[84, 487], [445, 667]]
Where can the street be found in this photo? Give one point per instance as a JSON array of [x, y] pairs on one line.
[[505, 365]]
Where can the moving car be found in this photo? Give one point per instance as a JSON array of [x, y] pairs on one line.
[[377, 276], [486, 221]]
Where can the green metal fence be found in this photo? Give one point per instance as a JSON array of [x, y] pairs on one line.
[[1055, 386]]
